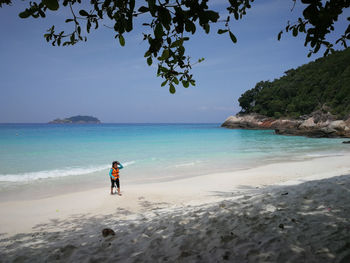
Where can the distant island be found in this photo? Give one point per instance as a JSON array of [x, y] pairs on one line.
[[312, 100], [76, 120]]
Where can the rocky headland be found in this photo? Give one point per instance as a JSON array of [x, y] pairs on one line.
[[317, 124], [311, 100]]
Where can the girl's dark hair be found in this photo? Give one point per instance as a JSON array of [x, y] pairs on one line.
[[115, 162]]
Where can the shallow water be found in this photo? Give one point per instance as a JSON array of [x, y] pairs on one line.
[[52, 153]]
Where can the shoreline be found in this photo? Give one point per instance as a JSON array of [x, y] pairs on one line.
[[52, 187], [21, 216]]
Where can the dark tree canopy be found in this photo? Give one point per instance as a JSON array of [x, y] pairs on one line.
[[83, 118], [324, 82], [172, 22]]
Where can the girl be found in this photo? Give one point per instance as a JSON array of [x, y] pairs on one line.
[[114, 174]]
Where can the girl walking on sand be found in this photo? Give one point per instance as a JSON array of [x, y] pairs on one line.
[[114, 174]]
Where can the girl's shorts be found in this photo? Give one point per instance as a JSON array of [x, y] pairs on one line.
[[115, 182]]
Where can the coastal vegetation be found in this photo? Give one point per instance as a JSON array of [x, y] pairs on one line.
[[168, 25], [77, 119], [323, 84]]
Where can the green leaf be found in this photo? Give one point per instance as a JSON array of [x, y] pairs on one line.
[[185, 83], [176, 43], [279, 35], [317, 48], [165, 55], [151, 6], [163, 69], [149, 61], [24, 14], [158, 31], [83, 13], [143, 9], [326, 52], [148, 53], [164, 83], [176, 81], [181, 50], [165, 17], [121, 40], [88, 26], [172, 88], [221, 31], [41, 12], [295, 31], [72, 39], [212, 15], [51, 4], [129, 25], [233, 38], [69, 20], [190, 26], [207, 28]]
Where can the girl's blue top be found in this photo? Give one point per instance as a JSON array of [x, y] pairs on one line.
[[120, 166]]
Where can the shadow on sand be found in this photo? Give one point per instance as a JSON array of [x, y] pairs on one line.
[[309, 222]]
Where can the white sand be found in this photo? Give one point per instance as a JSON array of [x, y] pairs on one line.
[[240, 216]]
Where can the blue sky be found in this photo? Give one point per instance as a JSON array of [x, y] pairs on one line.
[[40, 82]]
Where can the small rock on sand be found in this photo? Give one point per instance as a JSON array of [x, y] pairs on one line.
[[107, 232]]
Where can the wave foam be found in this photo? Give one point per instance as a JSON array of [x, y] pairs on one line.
[[69, 171], [51, 174], [187, 164], [128, 163], [316, 155]]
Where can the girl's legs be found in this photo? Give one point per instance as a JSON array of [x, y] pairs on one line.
[[118, 186], [112, 185]]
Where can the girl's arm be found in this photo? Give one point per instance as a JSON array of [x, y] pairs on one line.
[[120, 166], [110, 174]]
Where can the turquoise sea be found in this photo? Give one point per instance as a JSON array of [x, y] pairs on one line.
[[33, 154]]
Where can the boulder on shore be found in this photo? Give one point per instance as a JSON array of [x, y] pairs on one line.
[[318, 124]]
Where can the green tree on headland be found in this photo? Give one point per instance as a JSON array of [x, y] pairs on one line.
[[172, 22], [324, 82], [77, 119]]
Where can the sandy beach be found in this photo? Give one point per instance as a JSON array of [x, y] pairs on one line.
[[280, 212]]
